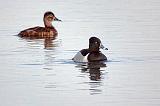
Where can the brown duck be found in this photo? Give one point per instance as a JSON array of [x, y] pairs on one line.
[[42, 32]]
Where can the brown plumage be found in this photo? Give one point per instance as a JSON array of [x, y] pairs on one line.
[[42, 32]]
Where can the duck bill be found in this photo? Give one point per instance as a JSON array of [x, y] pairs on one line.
[[56, 19], [102, 47]]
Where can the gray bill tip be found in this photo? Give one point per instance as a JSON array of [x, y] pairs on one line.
[[56, 19], [102, 47]]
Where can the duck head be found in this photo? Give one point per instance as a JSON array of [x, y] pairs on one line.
[[48, 18], [95, 44]]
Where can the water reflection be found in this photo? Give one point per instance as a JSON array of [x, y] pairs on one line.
[[45, 48], [49, 43], [95, 70]]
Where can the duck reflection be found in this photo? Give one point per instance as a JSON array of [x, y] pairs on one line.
[[94, 70], [49, 43]]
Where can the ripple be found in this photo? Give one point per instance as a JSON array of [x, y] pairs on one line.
[[32, 64]]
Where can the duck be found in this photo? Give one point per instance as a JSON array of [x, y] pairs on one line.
[[91, 54], [48, 31]]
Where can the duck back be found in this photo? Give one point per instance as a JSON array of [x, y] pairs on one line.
[[39, 32]]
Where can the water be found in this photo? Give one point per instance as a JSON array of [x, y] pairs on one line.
[[41, 72]]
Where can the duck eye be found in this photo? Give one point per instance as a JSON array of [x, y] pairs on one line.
[[50, 18]]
